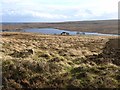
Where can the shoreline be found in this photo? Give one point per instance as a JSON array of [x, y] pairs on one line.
[[104, 27]]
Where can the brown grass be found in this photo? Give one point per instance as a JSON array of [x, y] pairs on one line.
[[52, 61]]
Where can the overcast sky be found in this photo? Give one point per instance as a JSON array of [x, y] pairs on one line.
[[58, 10]]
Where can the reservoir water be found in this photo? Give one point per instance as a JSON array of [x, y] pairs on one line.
[[56, 31]]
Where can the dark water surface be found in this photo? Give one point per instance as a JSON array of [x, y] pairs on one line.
[[56, 31]]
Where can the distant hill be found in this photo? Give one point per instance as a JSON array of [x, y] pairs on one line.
[[99, 26]]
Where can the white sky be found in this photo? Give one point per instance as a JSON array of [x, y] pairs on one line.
[[58, 10]]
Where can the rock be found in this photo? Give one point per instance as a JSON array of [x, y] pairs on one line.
[[64, 33]]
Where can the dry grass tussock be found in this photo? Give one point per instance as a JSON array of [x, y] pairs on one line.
[[51, 61]]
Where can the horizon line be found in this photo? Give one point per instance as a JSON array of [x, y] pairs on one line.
[[59, 21]]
